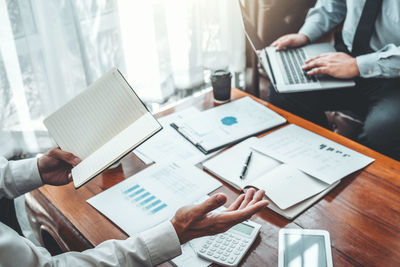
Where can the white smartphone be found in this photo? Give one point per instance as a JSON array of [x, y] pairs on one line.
[[304, 248]]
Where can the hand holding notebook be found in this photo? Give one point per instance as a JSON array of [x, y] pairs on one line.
[[101, 125]]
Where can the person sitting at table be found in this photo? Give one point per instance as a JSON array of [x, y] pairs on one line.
[[368, 51], [148, 248]]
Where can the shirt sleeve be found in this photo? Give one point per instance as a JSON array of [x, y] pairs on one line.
[[149, 248], [18, 177], [323, 17], [384, 63]]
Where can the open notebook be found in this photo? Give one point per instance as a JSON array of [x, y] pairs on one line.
[[101, 125], [291, 188]]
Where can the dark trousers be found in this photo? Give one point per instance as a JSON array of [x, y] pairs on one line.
[[8, 215], [376, 101]]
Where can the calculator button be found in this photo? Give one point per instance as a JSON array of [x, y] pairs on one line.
[[209, 242], [210, 253], [213, 249], [216, 256], [223, 258], [205, 246], [236, 252], [223, 247], [220, 251], [219, 240], [229, 239], [203, 250], [222, 237], [233, 245], [235, 242], [242, 244], [245, 241], [226, 254], [212, 237], [240, 248], [232, 259], [226, 243], [216, 245], [229, 250]]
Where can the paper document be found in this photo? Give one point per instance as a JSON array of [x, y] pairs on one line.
[[312, 153], [228, 165], [169, 145], [287, 186], [153, 195], [226, 124]]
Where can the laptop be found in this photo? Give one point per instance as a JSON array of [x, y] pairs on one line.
[[284, 67]]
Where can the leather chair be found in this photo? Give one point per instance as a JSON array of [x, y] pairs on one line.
[[274, 18]]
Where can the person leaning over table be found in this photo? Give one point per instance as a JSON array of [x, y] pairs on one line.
[[368, 51], [148, 248]]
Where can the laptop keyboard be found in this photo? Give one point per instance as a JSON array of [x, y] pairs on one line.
[[292, 61]]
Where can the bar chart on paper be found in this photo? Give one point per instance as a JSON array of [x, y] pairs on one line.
[[153, 195], [145, 200]]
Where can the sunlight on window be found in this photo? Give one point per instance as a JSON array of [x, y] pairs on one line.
[[140, 50], [13, 70]]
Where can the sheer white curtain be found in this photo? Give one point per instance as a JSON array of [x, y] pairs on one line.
[[168, 44], [51, 50]]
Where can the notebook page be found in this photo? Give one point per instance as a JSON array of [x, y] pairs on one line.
[[113, 150], [287, 186], [96, 115]]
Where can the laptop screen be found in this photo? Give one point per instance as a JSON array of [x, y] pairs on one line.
[[250, 29]]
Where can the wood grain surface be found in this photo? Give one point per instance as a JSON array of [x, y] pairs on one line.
[[362, 213]]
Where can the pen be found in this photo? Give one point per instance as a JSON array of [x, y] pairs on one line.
[[246, 166]]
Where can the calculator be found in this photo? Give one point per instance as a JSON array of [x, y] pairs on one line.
[[228, 249]]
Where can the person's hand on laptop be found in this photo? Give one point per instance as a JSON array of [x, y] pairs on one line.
[[55, 166], [336, 64], [290, 40], [201, 220]]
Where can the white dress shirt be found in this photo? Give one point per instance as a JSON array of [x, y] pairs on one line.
[[148, 248], [385, 41]]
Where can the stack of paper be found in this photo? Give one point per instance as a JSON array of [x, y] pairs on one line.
[[294, 166], [225, 125], [169, 145], [153, 195]]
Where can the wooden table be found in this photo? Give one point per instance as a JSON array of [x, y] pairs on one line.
[[362, 213]]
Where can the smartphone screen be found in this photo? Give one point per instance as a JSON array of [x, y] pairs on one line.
[[304, 250]]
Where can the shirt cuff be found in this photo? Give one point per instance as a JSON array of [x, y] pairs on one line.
[[311, 31], [367, 65], [25, 175], [162, 242]]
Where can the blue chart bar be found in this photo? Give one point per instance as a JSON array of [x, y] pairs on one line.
[[136, 193], [144, 202], [142, 196], [159, 208], [155, 203], [131, 189]]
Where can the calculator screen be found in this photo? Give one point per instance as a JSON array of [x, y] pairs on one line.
[[243, 228]]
